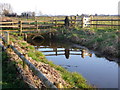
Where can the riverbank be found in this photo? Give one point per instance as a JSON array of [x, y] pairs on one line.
[[105, 41], [59, 74], [10, 75]]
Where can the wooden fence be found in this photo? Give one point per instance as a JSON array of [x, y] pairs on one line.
[[105, 23], [80, 21]]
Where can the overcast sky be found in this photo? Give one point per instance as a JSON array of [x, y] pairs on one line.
[[65, 7]]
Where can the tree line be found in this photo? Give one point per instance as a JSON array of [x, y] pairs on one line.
[[7, 10]]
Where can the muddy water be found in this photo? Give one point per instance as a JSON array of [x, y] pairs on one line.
[[97, 70]]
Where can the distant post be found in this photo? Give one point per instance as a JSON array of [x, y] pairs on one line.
[[20, 27], [55, 23], [96, 23], [71, 20], [36, 25], [75, 19], [111, 23], [91, 17], [83, 25]]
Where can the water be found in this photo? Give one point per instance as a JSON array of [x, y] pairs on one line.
[[98, 71]]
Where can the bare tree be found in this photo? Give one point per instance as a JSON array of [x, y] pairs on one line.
[[40, 13], [5, 9], [33, 14]]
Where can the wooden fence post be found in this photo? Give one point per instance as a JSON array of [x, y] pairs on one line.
[[71, 20], [75, 20], [25, 36], [96, 23], [91, 18], [111, 23], [24, 65], [82, 22], [7, 38], [118, 23], [36, 22], [50, 34], [1, 33], [7, 44], [20, 27], [55, 23]]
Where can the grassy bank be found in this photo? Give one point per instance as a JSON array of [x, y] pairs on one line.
[[10, 76], [72, 78], [103, 40]]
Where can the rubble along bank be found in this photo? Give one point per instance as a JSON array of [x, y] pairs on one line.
[[10, 75], [59, 74]]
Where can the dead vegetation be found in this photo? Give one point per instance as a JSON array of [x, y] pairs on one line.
[[28, 75]]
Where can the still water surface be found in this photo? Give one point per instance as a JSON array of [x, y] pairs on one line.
[[98, 71]]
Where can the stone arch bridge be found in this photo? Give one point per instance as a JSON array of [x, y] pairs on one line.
[[40, 35]]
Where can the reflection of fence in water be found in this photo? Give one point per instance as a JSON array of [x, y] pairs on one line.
[[67, 52]]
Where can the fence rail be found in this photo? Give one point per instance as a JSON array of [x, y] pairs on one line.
[[104, 25], [79, 21], [36, 72], [105, 20]]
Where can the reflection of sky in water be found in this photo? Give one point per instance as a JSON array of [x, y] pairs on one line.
[[98, 71]]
